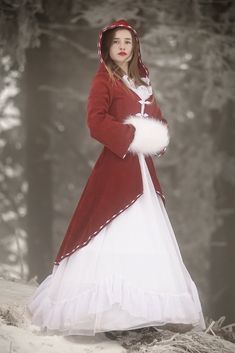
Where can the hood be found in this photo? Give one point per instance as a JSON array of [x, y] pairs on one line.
[[123, 24]]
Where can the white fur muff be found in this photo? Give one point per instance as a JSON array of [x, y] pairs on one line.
[[151, 135]]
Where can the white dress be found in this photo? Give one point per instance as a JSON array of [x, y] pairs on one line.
[[130, 275]]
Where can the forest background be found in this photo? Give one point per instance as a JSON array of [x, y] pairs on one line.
[[48, 58]]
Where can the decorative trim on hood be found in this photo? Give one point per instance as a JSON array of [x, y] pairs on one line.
[[122, 24]]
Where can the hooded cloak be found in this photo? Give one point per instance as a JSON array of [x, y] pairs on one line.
[[126, 125]]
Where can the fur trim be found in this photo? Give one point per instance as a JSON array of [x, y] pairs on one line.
[[151, 135]]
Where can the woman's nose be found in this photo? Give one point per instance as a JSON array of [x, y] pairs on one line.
[[121, 46]]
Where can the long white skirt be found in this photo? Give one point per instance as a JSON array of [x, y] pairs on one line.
[[128, 276]]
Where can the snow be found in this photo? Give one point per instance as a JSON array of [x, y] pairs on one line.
[[19, 336]]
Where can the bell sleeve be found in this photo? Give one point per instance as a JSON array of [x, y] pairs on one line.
[[103, 127]]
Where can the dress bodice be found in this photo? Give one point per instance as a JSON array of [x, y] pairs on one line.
[[144, 92]]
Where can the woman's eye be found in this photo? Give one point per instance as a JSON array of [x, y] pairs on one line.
[[115, 41]]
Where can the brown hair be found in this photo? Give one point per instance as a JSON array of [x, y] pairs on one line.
[[112, 68]]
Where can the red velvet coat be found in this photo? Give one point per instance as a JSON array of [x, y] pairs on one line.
[[115, 182]]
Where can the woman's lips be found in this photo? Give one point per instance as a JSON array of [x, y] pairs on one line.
[[122, 53]]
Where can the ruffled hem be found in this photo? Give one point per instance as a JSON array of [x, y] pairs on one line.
[[111, 305]]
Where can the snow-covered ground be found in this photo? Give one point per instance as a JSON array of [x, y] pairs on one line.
[[19, 336]]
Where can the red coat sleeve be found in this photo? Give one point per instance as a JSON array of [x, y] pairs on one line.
[[103, 127]]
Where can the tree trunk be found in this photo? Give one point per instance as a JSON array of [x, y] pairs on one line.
[[223, 240], [38, 163]]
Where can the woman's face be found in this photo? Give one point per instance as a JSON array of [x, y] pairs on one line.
[[121, 47]]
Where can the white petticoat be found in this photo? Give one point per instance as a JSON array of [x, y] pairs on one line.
[[130, 275]]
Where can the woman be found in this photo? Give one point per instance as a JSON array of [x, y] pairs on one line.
[[119, 266]]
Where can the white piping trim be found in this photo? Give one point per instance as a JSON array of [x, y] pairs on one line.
[[102, 226], [97, 231]]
